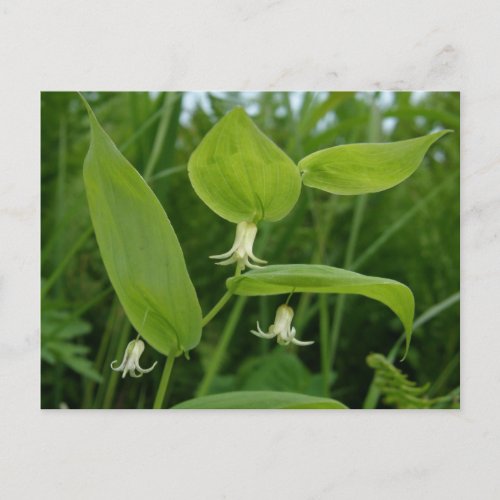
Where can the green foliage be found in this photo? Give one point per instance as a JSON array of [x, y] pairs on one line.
[[365, 168], [409, 233], [260, 400], [241, 174], [277, 371], [60, 334], [140, 249], [281, 279], [400, 392]]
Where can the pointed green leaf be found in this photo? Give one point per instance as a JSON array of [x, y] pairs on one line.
[[365, 168], [261, 400], [241, 174], [140, 249], [284, 279]]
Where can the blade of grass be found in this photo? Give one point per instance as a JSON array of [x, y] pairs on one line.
[[60, 230], [400, 223], [324, 329], [113, 379], [167, 172], [322, 230], [49, 283], [89, 387], [359, 210], [108, 348], [84, 308], [60, 200], [443, 377], [165, 378], [170, 99]]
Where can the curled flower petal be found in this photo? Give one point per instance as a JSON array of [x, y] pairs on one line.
[[302, 342], [256, 259], [145, 370], [118, 368], [227, 262], [248, 264], [263, 335]]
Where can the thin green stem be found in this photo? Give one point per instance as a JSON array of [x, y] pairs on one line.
[[222, 302], [323, 333], [322, 228], [108, 350], [61, 192], [168, 172], [289, 296], [441, 380], [165, 378], [220, 351], [215, 310], [140, 131], [99, 360], [114, 376], [338, 314]]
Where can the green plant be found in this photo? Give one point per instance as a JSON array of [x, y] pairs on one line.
[[243, 177], [399, 392]]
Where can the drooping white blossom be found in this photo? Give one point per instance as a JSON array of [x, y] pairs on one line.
[[282, 328], [242, 250], [130, 363]]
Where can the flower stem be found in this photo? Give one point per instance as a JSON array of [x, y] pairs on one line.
[[213, 312], [220, 351], [222, 302], [359, 211], [165, 378]]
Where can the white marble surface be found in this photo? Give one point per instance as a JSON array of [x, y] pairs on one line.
[[262, 44]]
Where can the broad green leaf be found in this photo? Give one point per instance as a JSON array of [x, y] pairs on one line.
[[285, 279], [140, 249], [261, 400], [241, 174], [365, 168]]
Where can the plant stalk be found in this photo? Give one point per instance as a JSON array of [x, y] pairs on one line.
[[165, 378], [338, 314], [215, 310], [218, 356]]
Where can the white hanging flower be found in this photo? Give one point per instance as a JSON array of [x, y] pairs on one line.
[[242, 250], [130, 363], [282, 328]]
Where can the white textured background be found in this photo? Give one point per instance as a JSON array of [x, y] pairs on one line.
[[252, 45]]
